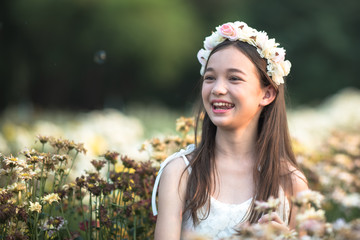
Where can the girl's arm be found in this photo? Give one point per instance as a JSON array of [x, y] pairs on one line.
[[299, 184], [171, 201]]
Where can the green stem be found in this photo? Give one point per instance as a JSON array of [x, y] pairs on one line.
[[42, 182], [36, 224], [9, 177], [72, 165], [134, 234], [63, 215], [90, 217]]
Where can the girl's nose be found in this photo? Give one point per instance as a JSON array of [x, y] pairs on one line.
[[219, 88]]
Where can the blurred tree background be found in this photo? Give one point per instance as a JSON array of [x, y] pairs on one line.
[[88, 54]]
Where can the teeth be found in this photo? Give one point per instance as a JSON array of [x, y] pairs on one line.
[[222, 104]]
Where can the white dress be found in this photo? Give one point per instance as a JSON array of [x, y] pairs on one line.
[[223, 217]]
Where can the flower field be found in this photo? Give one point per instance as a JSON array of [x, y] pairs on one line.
[[55, 188]]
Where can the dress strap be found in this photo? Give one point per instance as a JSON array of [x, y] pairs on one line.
[[182, 153]]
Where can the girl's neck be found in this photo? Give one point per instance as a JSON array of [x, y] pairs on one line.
[[236, 144]]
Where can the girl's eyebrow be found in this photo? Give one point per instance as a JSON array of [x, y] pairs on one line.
[[229, 70], [209, 70], [236, 70]]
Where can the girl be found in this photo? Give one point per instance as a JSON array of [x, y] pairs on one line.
[[245, 152]]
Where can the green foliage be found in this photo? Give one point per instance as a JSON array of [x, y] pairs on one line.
[[48, 47]]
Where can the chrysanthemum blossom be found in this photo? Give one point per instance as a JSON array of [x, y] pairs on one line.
[[309, 196], [270, 205], [50, 198], [35, 207]]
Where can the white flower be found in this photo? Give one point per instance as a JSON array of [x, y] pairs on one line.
[[285, 65], [213, 40], [351, 200], [248, 34], [202, 70], [50, 198], [261, 39], [240, 25], [203, 56], [309, 196], [278, 55], [271, 204], [268, 48], [277, 79], [35, 207], [311, 214]]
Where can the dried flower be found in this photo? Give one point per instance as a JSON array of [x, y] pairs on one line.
[[69, 145], [60, 158], [157, 145], [104, 218], [111, 156], [129, 163], [98, 164], [43, 139], [184, 125], [17, 235], [57, 143], [127, 196], [21, 214], [7, 211], [53, 225], [80, 181], [80, 148], [94, 189], [5, 196]]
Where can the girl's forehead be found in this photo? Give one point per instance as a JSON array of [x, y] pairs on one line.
[[230, 58]]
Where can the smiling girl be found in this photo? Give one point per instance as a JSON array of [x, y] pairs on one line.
[[245, 152]]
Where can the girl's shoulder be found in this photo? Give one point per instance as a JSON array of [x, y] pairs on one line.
[[172, 172], [298, 179], [184, 155]]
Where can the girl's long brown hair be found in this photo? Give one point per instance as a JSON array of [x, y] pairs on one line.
[[273, 148]]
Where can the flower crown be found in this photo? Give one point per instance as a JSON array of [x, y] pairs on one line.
[[277, 66]]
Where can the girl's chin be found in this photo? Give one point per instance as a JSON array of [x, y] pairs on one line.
[[221, 123]]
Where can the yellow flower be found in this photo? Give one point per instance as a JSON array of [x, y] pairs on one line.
[[50, 198], [121, 168], [35, 207], [183, 124]]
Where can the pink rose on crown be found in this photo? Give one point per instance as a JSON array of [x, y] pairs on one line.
[[228, 30]]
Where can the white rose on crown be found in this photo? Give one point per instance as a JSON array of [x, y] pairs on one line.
[[213, 40], [203, 56], [278, 55]]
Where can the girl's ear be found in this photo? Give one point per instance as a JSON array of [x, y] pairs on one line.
[[269, 95]]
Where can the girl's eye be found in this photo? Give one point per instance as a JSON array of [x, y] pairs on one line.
[[209, 78], [234, 78]]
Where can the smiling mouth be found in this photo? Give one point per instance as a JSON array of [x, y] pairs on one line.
[[222, 106]]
